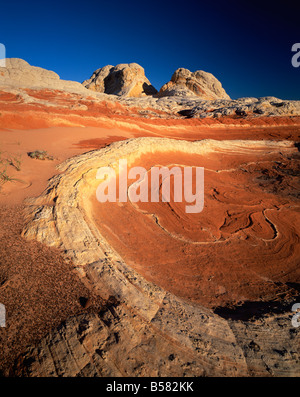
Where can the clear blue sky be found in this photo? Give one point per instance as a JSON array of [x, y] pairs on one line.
[[246, 45]]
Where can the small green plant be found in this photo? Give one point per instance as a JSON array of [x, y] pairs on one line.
[[7, 160]]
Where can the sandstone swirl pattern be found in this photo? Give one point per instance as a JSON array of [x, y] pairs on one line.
[[146, 329]]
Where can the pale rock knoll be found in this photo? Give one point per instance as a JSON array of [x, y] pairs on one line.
[[200, 84], [122, 80], [18, 73]]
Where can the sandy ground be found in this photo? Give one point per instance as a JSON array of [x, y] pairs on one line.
[[60, 143], [37, 286]]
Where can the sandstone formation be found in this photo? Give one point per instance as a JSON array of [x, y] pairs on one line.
[[199, 83], [25, 108], [244, 107], [117, 342], [173, 294], [185, 331], [126, 79], [32, 96], [19, 73]]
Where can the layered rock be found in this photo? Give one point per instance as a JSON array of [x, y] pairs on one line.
[[181, 336], [199, 83], [244, 107], [117, 342], [123, 80], [61, 102]]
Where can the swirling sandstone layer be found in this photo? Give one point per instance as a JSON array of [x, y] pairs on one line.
[[26, 108], [168, 315]]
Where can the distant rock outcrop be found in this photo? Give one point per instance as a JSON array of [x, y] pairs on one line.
[[19, 73], [199, 83], [126, 79]]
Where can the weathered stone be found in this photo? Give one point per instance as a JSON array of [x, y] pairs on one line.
[[199, 83], [122, 80], [19, 73]]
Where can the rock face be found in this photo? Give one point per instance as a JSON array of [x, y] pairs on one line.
[[19, 73], [243, 107], [117, 342], [199, 83], [126, 79]]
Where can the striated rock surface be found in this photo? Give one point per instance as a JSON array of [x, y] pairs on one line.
[[117, 342], [26, 108], [123, 80], [153, 328], [200, 83]]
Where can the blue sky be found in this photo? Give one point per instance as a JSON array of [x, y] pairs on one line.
[[247, 46]]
